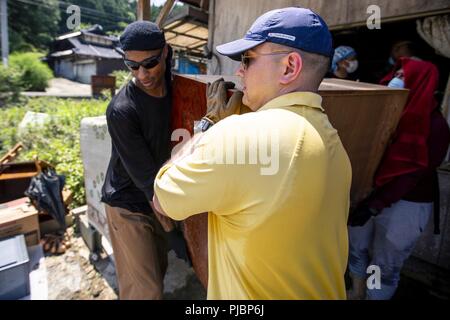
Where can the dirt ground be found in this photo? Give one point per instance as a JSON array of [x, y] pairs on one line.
[[74, 275]]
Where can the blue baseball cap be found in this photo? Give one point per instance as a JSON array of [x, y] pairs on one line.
[[293, 27]]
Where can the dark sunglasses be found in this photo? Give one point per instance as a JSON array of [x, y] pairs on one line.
[[148, 63], [245, 57]]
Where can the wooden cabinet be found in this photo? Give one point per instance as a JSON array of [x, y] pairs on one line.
[[364, 115]]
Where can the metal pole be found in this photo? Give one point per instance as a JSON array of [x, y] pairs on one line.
[[4, 30]]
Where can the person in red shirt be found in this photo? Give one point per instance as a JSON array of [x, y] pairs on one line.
[[385, 227]]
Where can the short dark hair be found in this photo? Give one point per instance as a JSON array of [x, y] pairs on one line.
[[315, 64]]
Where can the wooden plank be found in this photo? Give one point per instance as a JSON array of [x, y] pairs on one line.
[[144, 10], [164, 12], [12, 176], [12, 154]]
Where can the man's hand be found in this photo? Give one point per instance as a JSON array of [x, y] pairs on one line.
[[174, 236], [361, 215], [216, 100]]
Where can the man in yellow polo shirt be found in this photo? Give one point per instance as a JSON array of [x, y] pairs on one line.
[[276, 182]]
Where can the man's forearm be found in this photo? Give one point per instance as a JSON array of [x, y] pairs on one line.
[[167, 223], [156, 206], [183, 151]]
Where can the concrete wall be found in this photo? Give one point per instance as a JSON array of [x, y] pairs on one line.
[[230, 19]]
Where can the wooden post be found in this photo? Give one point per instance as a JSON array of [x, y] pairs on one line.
[[144, 10], [164, 13]]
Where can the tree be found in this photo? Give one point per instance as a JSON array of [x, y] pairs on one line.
[[110, 14], [33, 23]]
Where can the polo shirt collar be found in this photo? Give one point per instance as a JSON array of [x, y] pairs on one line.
[[308, 99]]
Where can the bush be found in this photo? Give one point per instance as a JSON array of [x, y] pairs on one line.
[[58, 142], [35, 73], [10, 84], [121, 77]]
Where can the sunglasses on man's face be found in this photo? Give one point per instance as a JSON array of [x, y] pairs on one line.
[[246, 57], [148, 63]]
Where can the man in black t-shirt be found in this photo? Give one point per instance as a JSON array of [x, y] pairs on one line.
[[138, 120]]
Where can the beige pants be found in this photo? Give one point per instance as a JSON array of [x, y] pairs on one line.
[[140, 253]]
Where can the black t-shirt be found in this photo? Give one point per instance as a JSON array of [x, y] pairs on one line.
[[139, 126]]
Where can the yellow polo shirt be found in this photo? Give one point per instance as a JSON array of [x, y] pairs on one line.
[[276, 184]]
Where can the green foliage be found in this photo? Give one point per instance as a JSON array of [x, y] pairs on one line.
[[121, 77], [110, 14], [33, 23], [34, 73], [10, 85], [58, 142], [83, 26]]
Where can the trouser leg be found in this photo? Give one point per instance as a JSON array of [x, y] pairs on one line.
[[140, 253], [360, 241], [397, 230]]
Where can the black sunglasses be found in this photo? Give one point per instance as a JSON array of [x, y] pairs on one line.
[[245, 58], [148, 63]]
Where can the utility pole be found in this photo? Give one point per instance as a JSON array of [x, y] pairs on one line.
[[144, 10], [4, 31]]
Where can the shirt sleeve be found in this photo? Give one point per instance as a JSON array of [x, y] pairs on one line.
[[196, 184], [132, 149]]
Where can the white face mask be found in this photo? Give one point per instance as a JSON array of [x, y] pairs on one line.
[[352, 66]]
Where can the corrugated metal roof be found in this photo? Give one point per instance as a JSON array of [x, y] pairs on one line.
[[188, 31], [93, 50], [62, 53]]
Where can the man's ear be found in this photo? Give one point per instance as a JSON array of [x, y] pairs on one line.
[[292, 65]]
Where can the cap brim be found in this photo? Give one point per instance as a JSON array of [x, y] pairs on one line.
[[234, 49]]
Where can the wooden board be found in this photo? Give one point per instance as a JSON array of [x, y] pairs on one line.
[[365, 116], [15, 178]]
